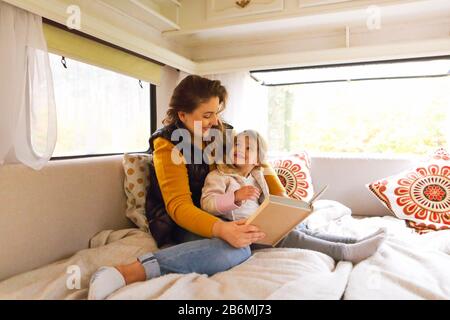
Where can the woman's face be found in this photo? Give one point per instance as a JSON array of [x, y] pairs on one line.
[[206, 114]]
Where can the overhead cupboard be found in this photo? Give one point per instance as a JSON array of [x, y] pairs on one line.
[[227, 9], [162, 14], [317, 3], [222, 9]]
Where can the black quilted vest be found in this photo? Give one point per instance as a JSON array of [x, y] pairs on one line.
[[162, 227]]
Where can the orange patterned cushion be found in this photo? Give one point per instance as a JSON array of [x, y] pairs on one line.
[[294, 173], [420, 195]]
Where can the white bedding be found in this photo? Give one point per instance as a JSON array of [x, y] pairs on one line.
[[407, 266]]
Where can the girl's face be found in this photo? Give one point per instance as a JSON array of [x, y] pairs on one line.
[[245, 152], [206, 115]]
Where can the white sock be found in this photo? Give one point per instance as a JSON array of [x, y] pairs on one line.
[[376, 233], [105, 281], [365, 247]]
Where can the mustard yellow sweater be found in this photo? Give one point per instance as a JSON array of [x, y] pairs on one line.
[[174, 184]]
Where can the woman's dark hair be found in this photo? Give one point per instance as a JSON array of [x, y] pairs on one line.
[[192, 91]]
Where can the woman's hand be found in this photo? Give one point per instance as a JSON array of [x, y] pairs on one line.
[[246, 193], [236, 233]]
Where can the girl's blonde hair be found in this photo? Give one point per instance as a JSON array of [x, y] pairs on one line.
[[261, 147]]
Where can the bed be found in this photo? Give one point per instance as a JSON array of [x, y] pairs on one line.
[[407, 266]]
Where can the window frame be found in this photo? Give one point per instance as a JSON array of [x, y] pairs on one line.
[[349, 64], [153, 124], [352, 155], [153, 102]]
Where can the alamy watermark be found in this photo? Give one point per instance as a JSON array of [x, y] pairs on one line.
[[74, 19], [217, 146], [373, 21], [73, 281]]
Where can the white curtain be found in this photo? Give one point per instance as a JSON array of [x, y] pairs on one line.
[[247, 106], [27, 109]]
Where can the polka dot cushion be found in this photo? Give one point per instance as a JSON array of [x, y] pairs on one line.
[[420, 195], [136, 167], [295, 175]]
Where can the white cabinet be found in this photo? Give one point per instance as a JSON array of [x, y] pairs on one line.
[[225, 9], [161, 14], [317, 3]]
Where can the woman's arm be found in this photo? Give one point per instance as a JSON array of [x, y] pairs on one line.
[[174, 184], [275, 186]]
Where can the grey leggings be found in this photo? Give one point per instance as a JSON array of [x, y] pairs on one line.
[[303, 238], [210, 256]]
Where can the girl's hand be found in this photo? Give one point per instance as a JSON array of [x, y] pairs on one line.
[[246, 193], [236, 233]]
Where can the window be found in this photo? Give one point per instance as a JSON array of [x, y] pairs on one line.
[[392, 108], [99, 111]]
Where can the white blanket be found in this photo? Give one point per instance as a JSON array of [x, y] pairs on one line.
[[268, 274], [407, 266]]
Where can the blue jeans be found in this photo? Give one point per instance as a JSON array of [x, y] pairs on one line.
[[195, 254], [210, 256]]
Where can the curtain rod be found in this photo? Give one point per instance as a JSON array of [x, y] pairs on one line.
[[351, 64]]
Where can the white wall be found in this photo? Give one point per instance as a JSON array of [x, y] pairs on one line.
[[169, 81], [347, 178]]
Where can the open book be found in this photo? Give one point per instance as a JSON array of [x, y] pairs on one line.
[[277, 216]]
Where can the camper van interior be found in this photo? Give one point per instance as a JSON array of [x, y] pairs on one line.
[[353, 94]]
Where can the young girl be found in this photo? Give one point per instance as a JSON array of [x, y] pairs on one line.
[[234, 191]]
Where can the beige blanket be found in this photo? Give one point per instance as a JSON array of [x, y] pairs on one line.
[[59, 280]]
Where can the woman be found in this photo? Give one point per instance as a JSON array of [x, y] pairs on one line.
[[208, 244]]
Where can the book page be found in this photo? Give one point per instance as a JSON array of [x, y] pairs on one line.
[[317, 195], [289, 201], [276, 218]]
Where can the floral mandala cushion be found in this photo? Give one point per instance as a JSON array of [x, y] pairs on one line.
[[294, 172], [420, 195]]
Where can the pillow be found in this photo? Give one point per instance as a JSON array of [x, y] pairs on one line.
[[420, 195], [419, 228], [326, 211], [136, 167], [294, 172]]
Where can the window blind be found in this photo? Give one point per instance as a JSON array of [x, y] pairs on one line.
[[77, 47]]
